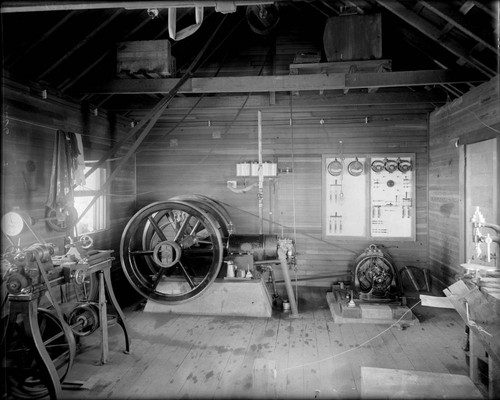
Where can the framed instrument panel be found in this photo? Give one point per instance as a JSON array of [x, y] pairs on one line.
[[368, 196]]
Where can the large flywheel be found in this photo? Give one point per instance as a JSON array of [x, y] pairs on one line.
[[172, 250]]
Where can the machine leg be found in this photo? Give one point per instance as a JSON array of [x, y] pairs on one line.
[[28, 310], [103, 319], [120, 316]]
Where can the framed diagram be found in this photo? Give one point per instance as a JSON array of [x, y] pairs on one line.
[[368, 196], [345, 196]]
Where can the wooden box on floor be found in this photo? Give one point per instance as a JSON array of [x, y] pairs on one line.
[[385, 383]]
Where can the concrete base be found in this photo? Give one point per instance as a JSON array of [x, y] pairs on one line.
[[230, 297], [367, 313]]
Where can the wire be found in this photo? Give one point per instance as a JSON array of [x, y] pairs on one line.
[[479, 119], [293, 198], [354, 348]]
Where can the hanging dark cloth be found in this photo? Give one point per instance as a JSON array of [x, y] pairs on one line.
[[61, 212]]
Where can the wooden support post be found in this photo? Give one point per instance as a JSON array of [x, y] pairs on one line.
[[493, 379], [476, 351]]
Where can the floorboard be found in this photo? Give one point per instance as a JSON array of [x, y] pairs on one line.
[[186, 356]]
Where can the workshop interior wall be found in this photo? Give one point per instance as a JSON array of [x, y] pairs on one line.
[[198, 155], [472, 118], [29, 129]]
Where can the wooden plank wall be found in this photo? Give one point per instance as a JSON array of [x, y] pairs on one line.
[[471, 118], [199, 155], [29, 126]]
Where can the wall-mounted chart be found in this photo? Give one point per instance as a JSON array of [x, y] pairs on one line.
[[345, 196], [391, 197], [368, 196]]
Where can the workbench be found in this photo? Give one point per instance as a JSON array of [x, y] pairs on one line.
[[480, 310], [26, 305]]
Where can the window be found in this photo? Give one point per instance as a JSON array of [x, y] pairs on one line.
[[96, 219], [480, 162]]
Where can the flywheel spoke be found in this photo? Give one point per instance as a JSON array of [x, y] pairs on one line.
[[158, 277], [187, 276], [157, 229]]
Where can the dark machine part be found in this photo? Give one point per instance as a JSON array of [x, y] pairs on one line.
[[263, 18], [262, 247], [20, 270], [22, 275], [375, 277], [61, 215], [171, 251], [84, 319], [25, 379]]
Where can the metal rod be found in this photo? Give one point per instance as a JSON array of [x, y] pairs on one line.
[[313, 277], [261, 175]]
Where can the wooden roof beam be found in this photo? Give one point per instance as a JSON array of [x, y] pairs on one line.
[[27, 47], [68, 83], [15, 6], [435, 34], [284, 83], [445, 12], [79, 45]]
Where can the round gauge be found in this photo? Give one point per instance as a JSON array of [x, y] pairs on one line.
[[335, 168], [12, 223], [355, 168]]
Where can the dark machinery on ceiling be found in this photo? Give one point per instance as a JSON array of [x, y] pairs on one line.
[[171, 251]]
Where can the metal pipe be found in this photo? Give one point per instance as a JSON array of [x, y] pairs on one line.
[[288, 283], [261, 174], [314, 277]]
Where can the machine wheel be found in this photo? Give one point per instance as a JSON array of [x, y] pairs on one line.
[[213, 207], [172, 250], [24, 379]]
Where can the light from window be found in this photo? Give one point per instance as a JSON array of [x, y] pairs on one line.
[[94, 219]]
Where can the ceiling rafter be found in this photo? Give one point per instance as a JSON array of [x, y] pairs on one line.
[[80, 44], [280, 83], [69, 82], [14, 6], [26, 47], [485, 8], [435, 34], [444, 11]]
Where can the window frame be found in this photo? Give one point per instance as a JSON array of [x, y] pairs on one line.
[[100, 217]]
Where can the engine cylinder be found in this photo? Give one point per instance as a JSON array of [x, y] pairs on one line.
[[262, 247]]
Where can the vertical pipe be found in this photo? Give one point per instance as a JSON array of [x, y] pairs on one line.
[[288, 282], [261, 175]]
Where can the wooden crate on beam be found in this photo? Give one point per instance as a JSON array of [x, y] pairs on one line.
[[150, 57], [353, 37]]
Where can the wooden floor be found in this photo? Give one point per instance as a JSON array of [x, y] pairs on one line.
[[180, 356]]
